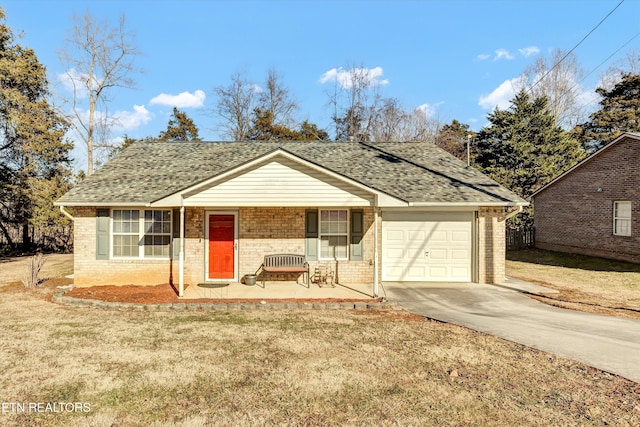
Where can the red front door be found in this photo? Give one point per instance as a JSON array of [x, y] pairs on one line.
[[221, 246]]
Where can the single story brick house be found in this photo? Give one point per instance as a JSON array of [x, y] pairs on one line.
[[594, 207], [195, 212]]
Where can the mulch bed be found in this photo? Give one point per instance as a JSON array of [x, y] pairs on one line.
[[166, 294]]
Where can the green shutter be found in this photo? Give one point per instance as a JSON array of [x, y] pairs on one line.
[[175, 235], [357, 232], [102, 234], [311, 234]]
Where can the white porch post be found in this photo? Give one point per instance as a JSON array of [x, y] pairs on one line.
[[181, 267], [375, 250]]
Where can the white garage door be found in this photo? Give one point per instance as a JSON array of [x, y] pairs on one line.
[[419, 246]]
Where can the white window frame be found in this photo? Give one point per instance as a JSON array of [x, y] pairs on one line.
[[617, 219], [141, 234], [345, 234]]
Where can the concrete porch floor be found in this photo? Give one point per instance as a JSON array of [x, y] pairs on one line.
[[278, 290]]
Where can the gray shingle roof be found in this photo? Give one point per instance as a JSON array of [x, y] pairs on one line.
[[412, 172]]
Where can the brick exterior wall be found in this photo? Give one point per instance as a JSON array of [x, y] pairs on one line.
[[88, 271], [261, 231], [491, 245], [573, 216]]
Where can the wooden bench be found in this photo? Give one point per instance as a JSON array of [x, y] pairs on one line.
[[285, 263]]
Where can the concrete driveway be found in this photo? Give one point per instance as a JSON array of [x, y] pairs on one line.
[[608, 343]]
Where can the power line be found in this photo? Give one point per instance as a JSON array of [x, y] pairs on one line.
[[609, 57], [575, 47], [600, 65]]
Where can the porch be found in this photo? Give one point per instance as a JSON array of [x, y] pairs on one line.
[[278, 290]]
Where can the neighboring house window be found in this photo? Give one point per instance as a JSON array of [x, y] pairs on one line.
[[334, 233], [141, 233], [622, 218]]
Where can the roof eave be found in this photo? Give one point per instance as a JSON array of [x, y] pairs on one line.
[[463, 204], [100, 204]]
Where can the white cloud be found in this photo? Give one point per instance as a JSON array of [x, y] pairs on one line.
[[428, 110], [529, 51], [182, 100], [502, 95], [121, 120], [129, 120], [483, 56], [346, 78], [74, 81], [502, 54]]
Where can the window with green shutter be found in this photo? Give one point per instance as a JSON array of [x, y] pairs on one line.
[[334, 234]]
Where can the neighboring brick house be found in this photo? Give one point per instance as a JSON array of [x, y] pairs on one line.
[[594, 207], [210, 211]]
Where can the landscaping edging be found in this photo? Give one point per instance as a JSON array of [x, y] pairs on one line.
[[59, 297]]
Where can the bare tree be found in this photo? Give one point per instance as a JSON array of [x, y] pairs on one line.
[[630, 64], [97, 58], [420, 127], [276, 98], [235, 106], [355, 100], [391, 122], [557, 77]]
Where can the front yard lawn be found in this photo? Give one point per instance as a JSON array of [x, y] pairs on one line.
[[288, 367], [585, 283]]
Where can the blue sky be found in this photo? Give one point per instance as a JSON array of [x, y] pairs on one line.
[[451, 57]]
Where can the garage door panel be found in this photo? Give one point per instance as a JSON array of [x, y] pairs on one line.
[[419, 246], [438, 273], [462, 255], [395, 253], [438, 254], [395, 235], [437, 237], [414, 273], [416, 237], [460, 236]]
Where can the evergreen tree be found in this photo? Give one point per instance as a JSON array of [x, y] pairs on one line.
[[264, 129], [454, 138], [353, 125], [311, 132], [180, 128], [35, 155], [523, 148], [619, 112]]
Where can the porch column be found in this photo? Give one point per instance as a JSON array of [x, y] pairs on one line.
[[181, 257], [375, 251]]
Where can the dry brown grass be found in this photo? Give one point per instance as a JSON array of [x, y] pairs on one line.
[[287, 368], [56, 265], [585, 283]]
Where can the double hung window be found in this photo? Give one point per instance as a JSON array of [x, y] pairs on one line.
[[141, 233], [334, 234], [622, 218]]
